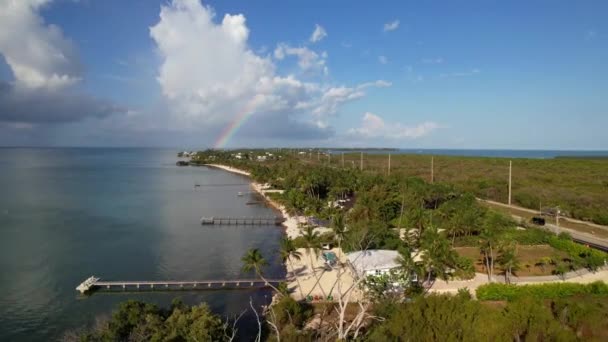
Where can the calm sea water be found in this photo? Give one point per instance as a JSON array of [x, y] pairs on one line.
[[119, 214]]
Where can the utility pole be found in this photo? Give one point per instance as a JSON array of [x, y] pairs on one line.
[[510, 167], [432, 169], [361, 162]]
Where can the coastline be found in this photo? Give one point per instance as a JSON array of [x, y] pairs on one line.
[[290, 224]]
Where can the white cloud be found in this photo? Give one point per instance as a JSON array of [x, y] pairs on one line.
[[318, 34], [209, 76], [437, 60], [308, 60], [38, 54], [461, 73], [44, 65], [382, 59], [393, 25], [373, 126]]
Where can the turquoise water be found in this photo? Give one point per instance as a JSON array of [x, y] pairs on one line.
[[119, 214]]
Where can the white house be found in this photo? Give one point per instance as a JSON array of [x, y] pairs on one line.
[[373, 261]]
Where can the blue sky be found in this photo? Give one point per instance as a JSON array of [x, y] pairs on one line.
[[410, 74]]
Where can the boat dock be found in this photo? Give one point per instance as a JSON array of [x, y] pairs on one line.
[[244, 221], [93, 283]]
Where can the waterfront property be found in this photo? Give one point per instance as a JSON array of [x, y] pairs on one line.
[[373, 262]]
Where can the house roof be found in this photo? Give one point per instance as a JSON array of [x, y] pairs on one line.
[[373, 259]]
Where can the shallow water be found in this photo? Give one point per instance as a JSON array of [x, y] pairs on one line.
[[120, 214]]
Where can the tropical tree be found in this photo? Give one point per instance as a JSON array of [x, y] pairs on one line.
[[288, 253], [494, 224], [339, 227], [311, 241], [544, 261], [253, 260], [508, 261], [436, 254]]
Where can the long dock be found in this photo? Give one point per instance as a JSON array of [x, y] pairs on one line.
[[93, 283], [245, 221]]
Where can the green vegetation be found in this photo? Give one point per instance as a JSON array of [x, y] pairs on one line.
[[384, 210], [578, 185], [138, 321], [497, 291], [458, 318], [402, 211], [568, 312]]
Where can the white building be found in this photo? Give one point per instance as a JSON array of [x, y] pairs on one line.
[[373, 262]]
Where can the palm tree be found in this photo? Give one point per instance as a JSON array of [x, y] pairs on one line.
[[253, 260], [311, 240], [508, 261], [438, 256], [544, 261], [493, 225], [337, 223], [407, 265], [289, 252]]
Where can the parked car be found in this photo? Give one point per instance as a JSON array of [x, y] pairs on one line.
[[538, 220]]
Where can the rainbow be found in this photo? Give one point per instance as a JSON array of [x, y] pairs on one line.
[[232, 127]]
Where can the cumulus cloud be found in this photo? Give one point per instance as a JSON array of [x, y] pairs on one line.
[[210, 76], [373, 126], [382, 59], [318, 34], [38, 54], [308, 60], [45, 66], [392, 26]]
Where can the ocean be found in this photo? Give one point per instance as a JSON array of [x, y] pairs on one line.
[[118, 214]]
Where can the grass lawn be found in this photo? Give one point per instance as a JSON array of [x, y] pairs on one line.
[[528, 259]]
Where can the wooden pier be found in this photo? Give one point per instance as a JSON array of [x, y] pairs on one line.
[[243, 221], [93, 283]]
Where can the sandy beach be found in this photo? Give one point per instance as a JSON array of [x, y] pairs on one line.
[[292, 223], [317, 281]]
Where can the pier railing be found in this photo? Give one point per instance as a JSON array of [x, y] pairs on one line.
[[246, 221], [93, 283]]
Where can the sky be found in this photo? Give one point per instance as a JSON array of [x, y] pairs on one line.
[[225, 74]]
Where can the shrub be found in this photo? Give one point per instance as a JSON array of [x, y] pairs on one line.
[[582, 255], [464, 268], [510, 292]]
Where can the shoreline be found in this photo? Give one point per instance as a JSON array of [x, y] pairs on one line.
[[291, 222]]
